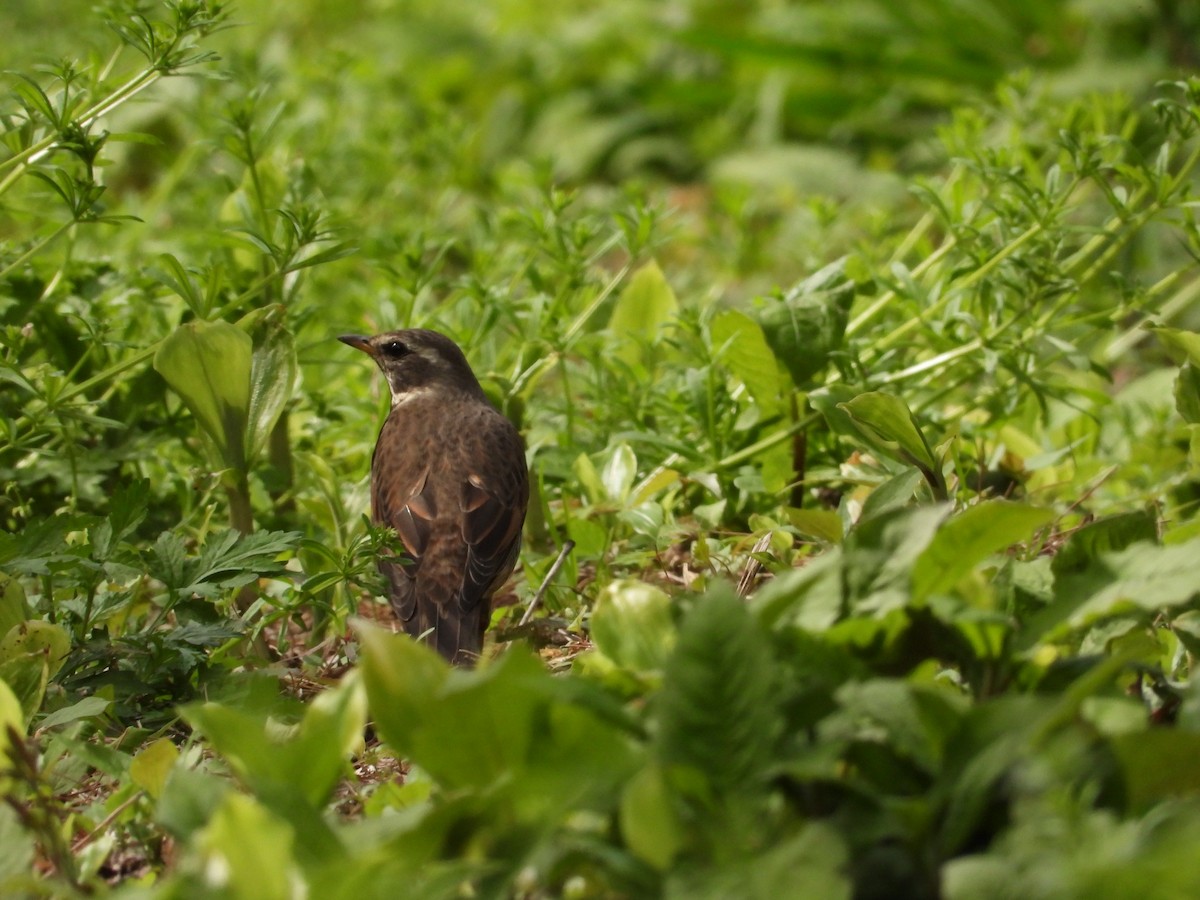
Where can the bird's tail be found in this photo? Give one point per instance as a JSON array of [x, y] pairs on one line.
[[454, 633]]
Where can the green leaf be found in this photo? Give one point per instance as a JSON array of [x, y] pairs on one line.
[[87, 708], [739, 343], [37, 637], [969, 538], [879, 556], [14, 609], [1158, 765], [716, 712], [1105, 535], [807, 324], [152, 764], [649, 824], [643, 309], [1187, 393], [17, 847], [1141, 577], [631, 624], [886, 421], [208, 364], [306, 759], [12, 718], [618, 473], [27, 674], [465, 728], [273, 374], [1181, 343], [234, 847], [823, 524]]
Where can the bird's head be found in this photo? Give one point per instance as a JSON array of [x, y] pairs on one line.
[[417, 361]]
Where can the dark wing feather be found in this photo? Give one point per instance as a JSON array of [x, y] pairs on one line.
[[410, 509], [492, 531]]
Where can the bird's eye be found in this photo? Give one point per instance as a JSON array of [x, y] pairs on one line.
[[394, 349]]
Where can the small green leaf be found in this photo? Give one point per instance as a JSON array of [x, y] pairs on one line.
[[971, 537], [152, 764], [649, 824], [208, 364], [618, 473], [807, 324], [822, 524], [644, 308], [886, 420], [273, 375], [631, 624], [739, 344]]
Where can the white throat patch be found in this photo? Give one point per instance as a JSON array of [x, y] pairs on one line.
[[410, 395]]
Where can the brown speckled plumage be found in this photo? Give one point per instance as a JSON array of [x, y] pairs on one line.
[[449, 474]]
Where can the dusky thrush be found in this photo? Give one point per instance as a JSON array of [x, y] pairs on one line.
[[449, 475]]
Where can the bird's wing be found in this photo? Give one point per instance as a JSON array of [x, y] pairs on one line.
[[491, 526], [410, 509]]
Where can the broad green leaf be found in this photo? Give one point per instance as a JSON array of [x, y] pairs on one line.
[[189, 799], [87, 708], [649, 823], [248, 852], [717, 712], [809, 597], [273, 372], [37, 637], [643, 309], [208, 364], [895, 493], [807, 324], [822, 524], [306, 759], [1158, 765], [13, 607], [969, 538], [466, 729], [739, 344], [631, 624], [885, 419], [879, 555], [152, 764]]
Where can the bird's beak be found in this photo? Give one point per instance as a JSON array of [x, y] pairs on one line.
[[358, 342]]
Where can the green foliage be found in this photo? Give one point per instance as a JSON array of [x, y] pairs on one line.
[[904, 342]]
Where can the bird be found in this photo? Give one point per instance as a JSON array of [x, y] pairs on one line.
[[448, 473]]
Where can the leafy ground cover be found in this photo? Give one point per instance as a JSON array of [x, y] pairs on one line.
[[864, 384]]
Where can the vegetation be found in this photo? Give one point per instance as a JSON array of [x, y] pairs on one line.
[[855, 349]]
